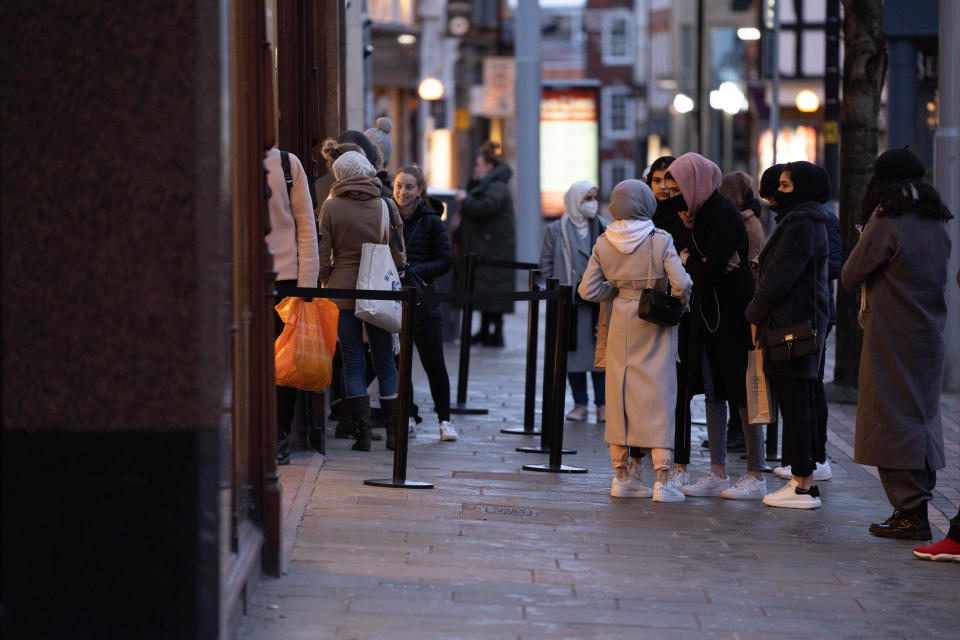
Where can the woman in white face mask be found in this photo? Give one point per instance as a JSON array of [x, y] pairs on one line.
[[567, 244]]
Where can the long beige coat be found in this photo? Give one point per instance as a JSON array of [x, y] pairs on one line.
[[640, 357]]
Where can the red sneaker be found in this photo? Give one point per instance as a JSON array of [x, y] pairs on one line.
[[946, 549]]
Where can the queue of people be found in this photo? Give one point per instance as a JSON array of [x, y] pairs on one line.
[[687, 231]]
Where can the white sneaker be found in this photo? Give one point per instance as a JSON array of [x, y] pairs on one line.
[[411, 429], [822, 472], [447, 432], [629, 487], [707, 486], [579, 413], [787, 497], [678, 477], [667, 492], [747, 488]]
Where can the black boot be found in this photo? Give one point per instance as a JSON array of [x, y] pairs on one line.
[[389, 410], [346, 430], [912, 525], [283, 447], [359, 409]]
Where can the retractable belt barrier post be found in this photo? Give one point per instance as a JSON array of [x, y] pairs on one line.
[[404, 393], [530, 387], [564, 309], [466, 328], [550, 347]]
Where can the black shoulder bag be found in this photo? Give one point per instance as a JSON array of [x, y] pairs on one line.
[[656, 306], [795, 341]]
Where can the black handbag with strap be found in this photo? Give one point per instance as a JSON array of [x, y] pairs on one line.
[[659, 307], [795, 341]]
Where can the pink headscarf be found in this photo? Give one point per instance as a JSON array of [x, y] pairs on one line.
[[697, 178]]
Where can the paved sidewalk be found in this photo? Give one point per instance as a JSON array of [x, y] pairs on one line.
[[497, 552]]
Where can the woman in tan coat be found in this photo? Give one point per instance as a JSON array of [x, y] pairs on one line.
[[350, 217], [641, 357]]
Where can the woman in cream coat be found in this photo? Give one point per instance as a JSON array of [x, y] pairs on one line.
[[640, 356]]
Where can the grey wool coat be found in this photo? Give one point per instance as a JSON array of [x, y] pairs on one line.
[[553, 265], [641, 357], [901, 263], [487, 228]]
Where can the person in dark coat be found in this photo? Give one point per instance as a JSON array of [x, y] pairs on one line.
[[487, 228], [428, 258], [823, 470], [792, 290], [716, 352], [901, 263]]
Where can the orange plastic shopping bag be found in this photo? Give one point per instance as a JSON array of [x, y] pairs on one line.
[[304, 350]]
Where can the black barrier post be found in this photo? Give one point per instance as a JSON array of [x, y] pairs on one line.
[[403, 401], [466, 328], [559, 364], [530, 389], [549, 388]]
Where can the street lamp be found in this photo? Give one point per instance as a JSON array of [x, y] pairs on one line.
[[683, 103], [729, 99], [430, 89], [807, 101], [748, 33]]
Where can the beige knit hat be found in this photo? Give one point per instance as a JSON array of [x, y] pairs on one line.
[[378, 135], [353, 164]]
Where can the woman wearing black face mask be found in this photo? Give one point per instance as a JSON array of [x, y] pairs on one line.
[[791, 290], [716, 352]]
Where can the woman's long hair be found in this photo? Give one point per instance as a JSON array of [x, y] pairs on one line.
[[892, 198], [490, 151]]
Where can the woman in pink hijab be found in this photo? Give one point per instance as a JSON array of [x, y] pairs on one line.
[[716, 354]]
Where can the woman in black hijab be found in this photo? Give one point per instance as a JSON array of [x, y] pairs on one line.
[[791, 290]]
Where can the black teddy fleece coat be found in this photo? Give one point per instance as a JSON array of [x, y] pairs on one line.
[[793, 285]]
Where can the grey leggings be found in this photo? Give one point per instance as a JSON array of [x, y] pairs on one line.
[[717, 425]]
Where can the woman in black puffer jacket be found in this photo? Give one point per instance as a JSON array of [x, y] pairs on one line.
[[428, 258]]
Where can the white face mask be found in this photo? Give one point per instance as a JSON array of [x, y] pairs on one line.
[[589, 209]]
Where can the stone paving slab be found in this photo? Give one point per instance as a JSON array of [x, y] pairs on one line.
[[497, 552]]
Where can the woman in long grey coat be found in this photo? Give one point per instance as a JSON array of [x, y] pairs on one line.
[[641, 357], [567, 244], [901, 261]]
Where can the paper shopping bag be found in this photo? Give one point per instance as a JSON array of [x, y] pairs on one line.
[[758, 395]]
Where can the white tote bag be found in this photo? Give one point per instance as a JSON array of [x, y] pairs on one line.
[[378, 272]]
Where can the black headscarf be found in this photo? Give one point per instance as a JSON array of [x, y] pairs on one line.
[[770, 181], [810, 184]]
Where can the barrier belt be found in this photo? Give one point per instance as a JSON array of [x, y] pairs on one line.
[[429, 296], [506, 264]]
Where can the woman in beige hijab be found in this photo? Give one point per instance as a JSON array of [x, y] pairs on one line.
[[640, 357]]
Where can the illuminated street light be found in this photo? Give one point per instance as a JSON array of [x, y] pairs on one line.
[[430, 89], [748, 33], [682, 103], [807, 101], [728, 98], [406, 38]]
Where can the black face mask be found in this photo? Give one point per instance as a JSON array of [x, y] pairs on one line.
[[674, 205], [785, 200]]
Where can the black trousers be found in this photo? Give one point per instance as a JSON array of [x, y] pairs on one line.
[[429, 342], [797, 400], [822, 406], [954, 533]]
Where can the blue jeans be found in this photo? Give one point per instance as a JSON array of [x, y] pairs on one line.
[[578, 386], [350, 333]]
